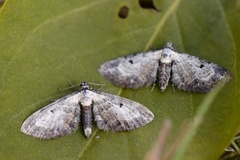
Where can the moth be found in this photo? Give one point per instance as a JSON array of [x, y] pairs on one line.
[[110, 112], [187, 72]]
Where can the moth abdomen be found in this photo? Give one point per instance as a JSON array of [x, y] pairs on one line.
[[163, 75], [87, 116]]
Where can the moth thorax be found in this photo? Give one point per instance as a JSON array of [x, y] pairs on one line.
[[166, 58], [86, 101], [167, 55]]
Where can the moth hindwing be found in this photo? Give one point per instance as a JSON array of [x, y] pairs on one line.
[[188, 73], [110, 112]]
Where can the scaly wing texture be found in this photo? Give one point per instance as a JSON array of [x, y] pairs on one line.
[[57, 119], [133, 71], [191, 73], [114, 113]]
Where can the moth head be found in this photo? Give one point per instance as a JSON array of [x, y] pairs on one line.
[[84, 85], [169, 45]]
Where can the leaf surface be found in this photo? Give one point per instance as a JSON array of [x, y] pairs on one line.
[[45, 44]]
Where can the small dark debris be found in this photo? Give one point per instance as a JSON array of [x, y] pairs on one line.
[[148, 4], [123, 12]]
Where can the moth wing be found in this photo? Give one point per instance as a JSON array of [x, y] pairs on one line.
[[133, 71], [114, 113], [191, 73], [57, 119]]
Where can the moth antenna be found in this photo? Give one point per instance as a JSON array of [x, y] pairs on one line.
[[70, 83], [97, 84], [72, 86]]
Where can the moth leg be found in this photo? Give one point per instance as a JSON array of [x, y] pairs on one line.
[[153, 86], [173, 88]]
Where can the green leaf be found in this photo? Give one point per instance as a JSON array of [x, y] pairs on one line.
[[44, 44]]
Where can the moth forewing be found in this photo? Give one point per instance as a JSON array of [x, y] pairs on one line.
[[193, 74], [114, 113], [133, 71], [57, 119]]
